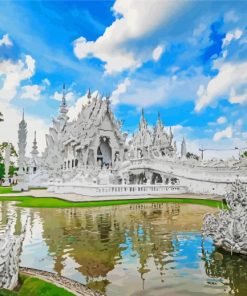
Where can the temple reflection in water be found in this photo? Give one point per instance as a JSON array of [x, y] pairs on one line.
[[129, 249]]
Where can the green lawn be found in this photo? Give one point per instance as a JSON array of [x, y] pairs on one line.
[[47, 202], [5, 190], [31, 286]]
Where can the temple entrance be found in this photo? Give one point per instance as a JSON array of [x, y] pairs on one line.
[[104, 152]]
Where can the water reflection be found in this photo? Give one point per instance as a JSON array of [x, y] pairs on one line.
[[230, 269], [146, 249]]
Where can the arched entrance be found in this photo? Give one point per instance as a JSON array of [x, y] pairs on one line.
[[104, 151]]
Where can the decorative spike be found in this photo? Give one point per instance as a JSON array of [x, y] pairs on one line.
[[89, 94]]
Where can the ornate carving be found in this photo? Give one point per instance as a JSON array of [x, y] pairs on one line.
[[228, 228]]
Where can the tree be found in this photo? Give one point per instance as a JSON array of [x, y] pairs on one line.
[[244, 154], [13, 153], [3, 146], [192, 156], [1, 116]]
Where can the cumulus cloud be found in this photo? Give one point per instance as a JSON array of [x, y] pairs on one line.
[[221, 120], [226, 133], [153, 90], [229, 83], [121, 89], [157, 52], [13, 73], [134, 20], [31, 92], [233, 35], [6, 41]]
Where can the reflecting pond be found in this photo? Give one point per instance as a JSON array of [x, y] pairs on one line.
[[146, 249]]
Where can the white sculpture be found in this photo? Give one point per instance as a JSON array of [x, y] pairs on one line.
[[10, 247], [228, 228], [6, 165]]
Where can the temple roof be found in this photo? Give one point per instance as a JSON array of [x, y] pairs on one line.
[[89, 121]]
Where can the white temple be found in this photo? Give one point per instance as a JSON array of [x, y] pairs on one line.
[[92, 156]]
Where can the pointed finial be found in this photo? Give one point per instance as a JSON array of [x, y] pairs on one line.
[[23, 114], [89, 93], [158, 115], [171, 135], [142, 112], [63, 106], [35, 136]]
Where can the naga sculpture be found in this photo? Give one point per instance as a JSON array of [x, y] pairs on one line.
[[228, 228], [10, 248]]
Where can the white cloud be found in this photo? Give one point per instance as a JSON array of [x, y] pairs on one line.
[[226, 133], [157, 52], [58, 96], [221, 120], [6, 41], [231, 79], [233, 35], [148, 91], [238, 98], [13, 74], [121, 89], [31, 92], [134, 20]]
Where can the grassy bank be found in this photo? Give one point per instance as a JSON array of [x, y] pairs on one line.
[[4, 190], [47, 202], [30, 286]]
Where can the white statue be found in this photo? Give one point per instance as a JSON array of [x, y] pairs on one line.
[[10, 247], [228, 228]]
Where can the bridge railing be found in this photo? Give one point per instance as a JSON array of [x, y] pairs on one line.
[[117, 190]]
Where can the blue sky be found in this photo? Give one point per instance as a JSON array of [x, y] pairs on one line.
[[185, 59]]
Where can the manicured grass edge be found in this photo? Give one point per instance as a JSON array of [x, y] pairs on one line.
[[31, 285], [50, 202]]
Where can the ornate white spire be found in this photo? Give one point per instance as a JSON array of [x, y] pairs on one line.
[[35, 146], [63, 106], [183, 149], [22, 143], [7, 161], [89, 94], [159, 122], [143, 122]]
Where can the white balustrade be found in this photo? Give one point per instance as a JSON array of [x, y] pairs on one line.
[[116, 190]]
